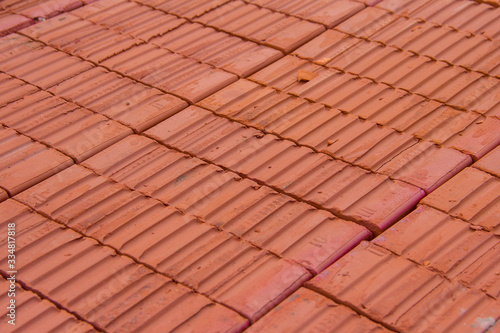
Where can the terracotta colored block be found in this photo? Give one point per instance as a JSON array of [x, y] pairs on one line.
[[170, 72], [229, 270], [283, 74], [329, 13], [12, 89], [482, 274], [478, 138], [119, 98], [327, 46], [314, 244], [308, 311], [377, 283], [218, 49], [39, 65], [100, 285], [190, 9], [267, 158], [454, 307], [400, 293], [261, 25], [425, 165], [24, 162], [10, 23], [129, 18], [435, 240], [428, 120], [268, 282], [38, 314], [277, 112], [45, 9], [367, 22], [490, 163], [3, 195], [261, 216], [471, 195], [346, 137], [76, 132], [71, 34], [471, 17]]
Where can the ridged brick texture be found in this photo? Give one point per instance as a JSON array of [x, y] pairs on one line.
[[61, 125], [472, 195], [342, 136], [308, 311], [402, 294], [328, 13], [37, 64], [107, 289], [24, 162], [261, 25], [37, 314], [129, 18], [185, 8]]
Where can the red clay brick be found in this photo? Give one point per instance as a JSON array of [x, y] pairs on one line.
[[71, 34], [477, 139], [308, 311], [44, 9], [425, 165], [38, 314], [471, 195], [129, 18], [218, 49], [171, 72], [3, 195], [24, 163], [261, 216], [399, 293], [76, 132], [101, 285], [435, 240], [217, 264], [10, 23], [188, 9], [329, 13], [490, 163], [471, 17], [39, 65], [12, 89], [131, 103], [262, 157], [261, 25]]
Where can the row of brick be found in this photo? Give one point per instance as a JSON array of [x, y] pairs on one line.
[[436, 270], [36, 313], [139, 72], [177, 244], [456, 47], [469, 16], [394, 107], [107, 289], [76, 89]]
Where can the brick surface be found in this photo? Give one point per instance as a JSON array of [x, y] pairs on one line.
[[490, 163], [309, 311], [471, 195], [38, 314], [24, 163], [400, 293], [171, 72], [218, 49], [261, 25], [133, 104], [101, 285]]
